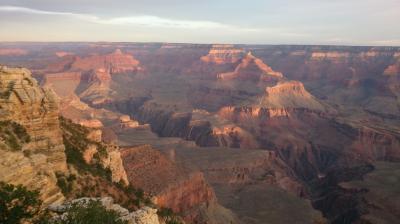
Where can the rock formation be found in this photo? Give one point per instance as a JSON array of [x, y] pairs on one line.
[[329, 55], [126, 122], [24, 102], [289, 94], [174, 187], [142, 163], [253, 69], [145, 215], [110, 156], [393, 70], [114, 63], [223, 54]]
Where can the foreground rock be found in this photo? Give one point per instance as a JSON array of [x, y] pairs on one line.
[[145, 215], [35, 162]]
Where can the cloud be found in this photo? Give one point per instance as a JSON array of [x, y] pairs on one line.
[[140, 20]]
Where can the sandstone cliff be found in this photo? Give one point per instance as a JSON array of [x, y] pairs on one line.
[[289, 94], [253, 69], [114, 63], [88, 137], [35, 109], [222, 54], [172, 186]]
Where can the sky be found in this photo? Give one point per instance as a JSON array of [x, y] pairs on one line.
[[331, 22]]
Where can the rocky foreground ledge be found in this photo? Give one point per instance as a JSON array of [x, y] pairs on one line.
[[145, 215]]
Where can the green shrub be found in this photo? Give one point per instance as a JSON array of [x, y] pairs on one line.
[[6, 94], [17, 204], [90, 213], [169, 216], [13, 135], [65, 183], [76, 142]]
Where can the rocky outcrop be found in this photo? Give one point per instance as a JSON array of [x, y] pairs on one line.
[[34, 172], [185, 192], [334, 55], [114, 63], [241, 168], [110, 154], [145, 215], [289, 94], [148, 169], [114, 162], [223, 54], [193, 126], [253, 69], [61, 54], [24, 102], [377, 144], [126, 122], [392, 70]]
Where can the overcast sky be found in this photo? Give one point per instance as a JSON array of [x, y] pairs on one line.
[[342, 22]]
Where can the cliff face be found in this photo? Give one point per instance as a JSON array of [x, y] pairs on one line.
[[193, 126], [253, 69], [290, 94], [324, 142], [223, 54], [94, 150], [377, 144], [114, 63], [25, 103], [185, 192], [172, 187]]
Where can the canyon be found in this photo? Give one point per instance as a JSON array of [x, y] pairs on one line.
[[219, 133]]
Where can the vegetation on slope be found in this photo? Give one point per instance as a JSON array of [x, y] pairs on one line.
[[6, 94], [17, 204], [92, 212], [92, 180], [13, 135], [76, 142]]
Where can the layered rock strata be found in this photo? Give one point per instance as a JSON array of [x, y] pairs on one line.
[[36, 109], [223, 54]]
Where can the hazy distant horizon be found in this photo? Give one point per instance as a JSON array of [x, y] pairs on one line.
[[192, 43], [257, 22]]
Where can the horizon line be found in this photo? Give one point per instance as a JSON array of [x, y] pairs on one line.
[[194, 43]]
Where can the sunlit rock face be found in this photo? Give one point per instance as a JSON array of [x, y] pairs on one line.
[[24, 102], [290, 94], [330, 55], [36, 109], [223, 54], [251, 68], [114, 63]]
